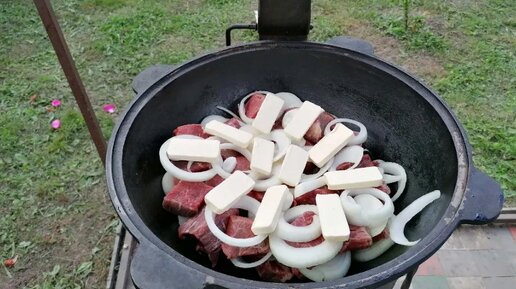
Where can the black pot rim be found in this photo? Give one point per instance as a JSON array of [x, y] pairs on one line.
[[376, 276]]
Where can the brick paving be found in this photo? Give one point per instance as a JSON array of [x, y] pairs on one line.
[[475, 257]]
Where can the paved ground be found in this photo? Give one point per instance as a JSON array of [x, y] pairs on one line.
[[475, 257]]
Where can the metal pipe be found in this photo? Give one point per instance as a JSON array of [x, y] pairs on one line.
[[72, 75]]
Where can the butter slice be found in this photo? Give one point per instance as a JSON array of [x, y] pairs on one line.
[[270, 209], [330, 144], [354, 179], [334, 225], [262, 157], [227, 193], [293, 165], [268, 113], [197, 150], [233, 135], [302, 120]]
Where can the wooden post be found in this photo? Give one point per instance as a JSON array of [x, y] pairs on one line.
[[72, 75]]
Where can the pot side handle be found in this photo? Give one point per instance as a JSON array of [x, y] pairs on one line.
[[352, 43], [483, 200], [149, 76], [152, 268]]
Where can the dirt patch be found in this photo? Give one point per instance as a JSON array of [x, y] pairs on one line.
[[389, 48]]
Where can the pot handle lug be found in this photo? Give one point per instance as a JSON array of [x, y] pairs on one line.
[[352, 43], [152, 268], [149, 76], [483, 200]]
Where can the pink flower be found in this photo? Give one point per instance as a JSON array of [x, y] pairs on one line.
[[109, 108], [56, 123], [56, 103]]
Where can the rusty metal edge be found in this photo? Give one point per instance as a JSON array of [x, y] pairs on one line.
[[123, 279], [115, 257]]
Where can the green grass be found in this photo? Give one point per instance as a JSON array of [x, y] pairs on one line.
[[54, 212]]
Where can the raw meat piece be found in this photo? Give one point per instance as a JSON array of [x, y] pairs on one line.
[[191, 129], [316, 131], [274, 272], [240, 227], [359, 238], [186, 198], [233, 122], [256, 195], [309, 198], [198, 229], [383, 235], [252, 106], [215, 181]]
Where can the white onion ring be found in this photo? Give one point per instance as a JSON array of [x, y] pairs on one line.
[[273, 180], [241, 106], [181, 174], [217, 166], [357, 215], [239, 263], [290, 99], [287, 117], [368, 202], [281, 140], [309, 186], [334, 269], [167, 182], [213, 117], [322, 170], [303, 257], [355, 140], [397, 224], [398, 173], [351, 154], [230, 113], [245, 203], [229, 164], [373, 252], [289, 232]]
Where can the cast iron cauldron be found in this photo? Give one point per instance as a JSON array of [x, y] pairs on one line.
[[406, 121]]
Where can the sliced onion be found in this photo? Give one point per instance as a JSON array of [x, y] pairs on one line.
[[288, 117], [217, 166], [245, 203], [291, 100], [292, 233], [351, 154], [241, 264], [281, 140], [397, 224], [398, 173], [359, 216], [272, 180], [373, 252], [230, 113], [334, 269], [229, 164], [212, 117], [368, 202], [324, 169], [179, 173], [355, 140], [303, 257], [167, 182], [308, 186], [241, 106]]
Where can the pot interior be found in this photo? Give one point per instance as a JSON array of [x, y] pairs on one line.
[[402, 126]]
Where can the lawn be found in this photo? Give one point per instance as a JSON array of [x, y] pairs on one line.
[[54, 211]]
